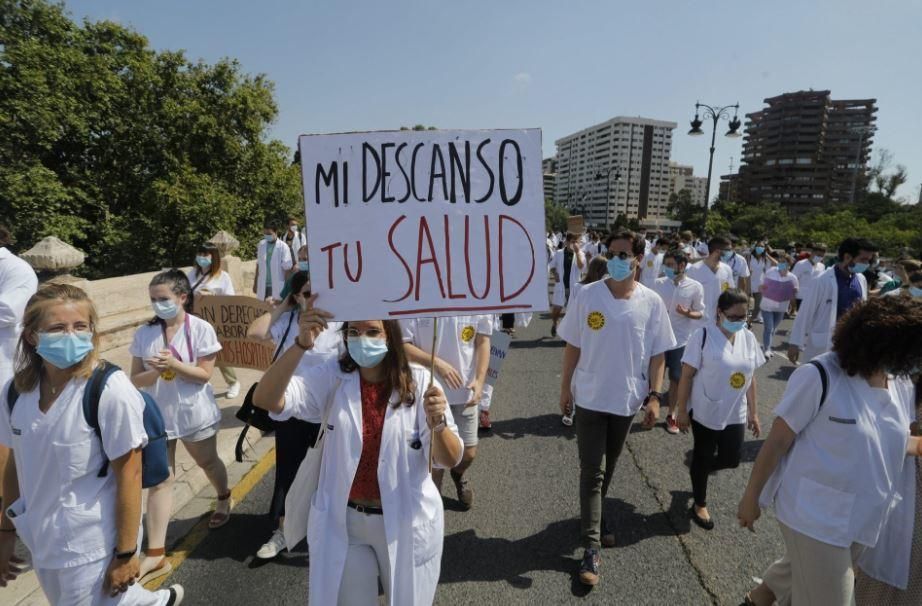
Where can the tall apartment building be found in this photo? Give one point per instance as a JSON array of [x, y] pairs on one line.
[[633, 153], [806, 150], [549, 170], [682, 176]]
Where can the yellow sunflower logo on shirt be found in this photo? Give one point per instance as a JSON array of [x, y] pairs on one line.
[[650, 264], [737, 380], [595, 320], [724, 286], [467, 333]]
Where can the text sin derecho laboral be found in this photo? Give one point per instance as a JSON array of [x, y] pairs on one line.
[[445, 211]]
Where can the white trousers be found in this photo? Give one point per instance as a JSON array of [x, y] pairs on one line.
[[811, 573], [366, 560], [82, 586]]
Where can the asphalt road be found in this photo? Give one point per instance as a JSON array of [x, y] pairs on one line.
[[520, 542]]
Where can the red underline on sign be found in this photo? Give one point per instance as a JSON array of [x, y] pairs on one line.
[[407, 312]]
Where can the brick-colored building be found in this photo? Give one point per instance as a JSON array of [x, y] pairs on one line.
[[805, 150]]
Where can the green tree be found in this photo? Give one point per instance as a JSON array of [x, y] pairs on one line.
[[133, 155], [683, 209], [555, 216]]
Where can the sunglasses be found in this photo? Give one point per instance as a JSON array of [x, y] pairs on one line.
[[621, 255]]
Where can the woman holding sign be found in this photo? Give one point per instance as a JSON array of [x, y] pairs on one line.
[[174, 357], [376, 513], [779, 287]]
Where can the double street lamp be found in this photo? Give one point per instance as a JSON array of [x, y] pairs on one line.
[[716, 114], [607, 177]]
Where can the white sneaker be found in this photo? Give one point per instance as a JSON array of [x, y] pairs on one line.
[[273, 546], [176, 595], [768, 354], [233, 391]]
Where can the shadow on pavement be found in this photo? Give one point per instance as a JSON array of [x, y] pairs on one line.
[[469, 558], [543, 426], [536, 343], [784, 372], [632, 527], [241, 538]]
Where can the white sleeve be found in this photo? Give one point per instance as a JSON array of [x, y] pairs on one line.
[[15, 291], [408, 330], [795, 281], [804, 319], [569, 328], [801, 400], [287, 262], [485, 325], [278, 328], [227, 284], [204, 340], [137, 348], [665, 338], [121, 416], [697, 302], [310, 392], [744, 273], [758, 357], [692, 355]]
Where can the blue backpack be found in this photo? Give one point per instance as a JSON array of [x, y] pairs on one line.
[[155, 466]]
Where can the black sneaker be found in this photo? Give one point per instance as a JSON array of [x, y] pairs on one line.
[[589, 568]]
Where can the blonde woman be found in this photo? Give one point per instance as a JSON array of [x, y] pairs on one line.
[[82, 530]]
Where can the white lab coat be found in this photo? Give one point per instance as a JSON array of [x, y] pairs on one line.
[[816, 319], [281, 263], [299, 240], [413, 513], [17, 284], [558, 297]]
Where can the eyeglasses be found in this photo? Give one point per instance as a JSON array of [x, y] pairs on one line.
[[737, 318]]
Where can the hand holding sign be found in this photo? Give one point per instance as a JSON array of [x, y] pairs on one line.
[[311, 323], [435, 405]]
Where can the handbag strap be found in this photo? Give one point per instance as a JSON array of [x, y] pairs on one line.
[[284, 338]]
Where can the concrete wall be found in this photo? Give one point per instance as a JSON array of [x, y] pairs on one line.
[[123, 303]]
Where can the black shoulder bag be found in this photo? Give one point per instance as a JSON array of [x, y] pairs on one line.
[[250, 414]]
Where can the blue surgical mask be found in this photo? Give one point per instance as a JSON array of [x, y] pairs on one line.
[[619, 269], [783, 267], [733, 327], [165, 310], [269, 239], [915, 292], [859, 268], [304, 266], [726, 255], [63, 350], [366, 351], [203, 262], [668, 272], [760, 250]]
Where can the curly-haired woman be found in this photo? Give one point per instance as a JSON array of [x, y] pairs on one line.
[[840, 441]]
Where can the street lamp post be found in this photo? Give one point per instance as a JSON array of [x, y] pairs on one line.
[[716, 114], [607, 178]]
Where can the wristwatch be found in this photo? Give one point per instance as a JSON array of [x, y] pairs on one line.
[[655, 394], [124, 555]]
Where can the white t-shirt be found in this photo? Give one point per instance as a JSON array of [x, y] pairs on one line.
[[806, 272], [650, 268], [616, 338], [837, 483], [740, 268], [65, 514], [187, 406], [216, 285], [328, 344], [18, 283], [725, 372], [757, 269], [454, 344], [773, 283], [688, 294], [714, 284]]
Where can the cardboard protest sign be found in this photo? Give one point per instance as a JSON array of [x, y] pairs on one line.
[[231, 316], [425, 223], [576, 224], [499, 347]]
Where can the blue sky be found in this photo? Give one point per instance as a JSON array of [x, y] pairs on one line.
[[564, 65]]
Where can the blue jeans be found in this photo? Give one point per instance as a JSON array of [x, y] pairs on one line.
[[770, 322]]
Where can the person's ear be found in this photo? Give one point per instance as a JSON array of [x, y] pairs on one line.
[[31, 338]]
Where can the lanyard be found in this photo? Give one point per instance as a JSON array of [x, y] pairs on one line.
[[169, 345]]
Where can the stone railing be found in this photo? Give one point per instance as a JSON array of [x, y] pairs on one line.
[[123, 302]]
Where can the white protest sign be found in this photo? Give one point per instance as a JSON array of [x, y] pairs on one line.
[[403, 224], [499, 347]]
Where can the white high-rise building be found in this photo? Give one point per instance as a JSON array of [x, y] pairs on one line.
[[633, 153], [681, 177]]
